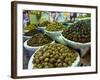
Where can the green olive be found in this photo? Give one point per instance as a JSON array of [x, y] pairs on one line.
[[59, 65], [65, 64], [37, 61], [52, 60], [46, 59], [59, 60], [41, 58]]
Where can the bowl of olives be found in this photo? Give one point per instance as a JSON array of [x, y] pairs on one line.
[[37, 41], [54, 55], [78, 36], [42, 26], [54, 29], [29, 34], [29, 27]]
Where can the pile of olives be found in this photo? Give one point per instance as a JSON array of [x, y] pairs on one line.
[[55, 26], [31, 32], [39, 39], [79, 31], [44, 24], [53, 56], [30, 27]]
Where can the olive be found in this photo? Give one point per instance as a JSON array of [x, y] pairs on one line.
[[64, 55], [40, 66], [46, 66], [65, 64], [53, 52], [51, 56], [37, 61], [50, 65], [61, 50], [59, 65], [61, 57], [59, 60], [41, 58], [35, 65], [47, 54], [46, 59], [52, 60], [56, 56], [45, 63], [69, 62]]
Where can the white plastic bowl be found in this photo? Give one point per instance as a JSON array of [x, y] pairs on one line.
[[26, 37], [26, 31], [75, 64], [43, 28], [53, 34], [31, 48], [83, 47]]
